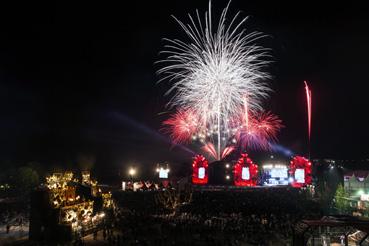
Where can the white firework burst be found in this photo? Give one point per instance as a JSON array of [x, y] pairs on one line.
[[217, 71]]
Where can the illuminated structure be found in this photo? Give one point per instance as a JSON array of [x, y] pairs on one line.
[[245, 172], [200, 170], [163, 170], [300, 172], [355, 181], [275, 174], [66, 207]]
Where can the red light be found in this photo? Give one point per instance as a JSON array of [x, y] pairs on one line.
[[199, 162], [244, 161], [300, 162]]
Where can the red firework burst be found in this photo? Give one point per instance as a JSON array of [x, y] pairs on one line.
[[259, 131], [181, 126]]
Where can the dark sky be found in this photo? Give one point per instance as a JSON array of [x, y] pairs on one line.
[[80, 80]]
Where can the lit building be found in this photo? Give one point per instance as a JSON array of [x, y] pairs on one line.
[[356, 184], [67, 207], [163, 170], [354, 181]]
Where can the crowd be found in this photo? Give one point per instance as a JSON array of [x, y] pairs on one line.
[[147, 185], [253, 216], [13, 214]]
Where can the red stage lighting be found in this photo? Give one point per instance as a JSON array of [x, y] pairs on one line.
[[300, 171], [200, 170], [245, 172]]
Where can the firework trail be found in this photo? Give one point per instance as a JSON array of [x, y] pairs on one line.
[[308, 100], [227, 150], [209, 148], [214, 74]]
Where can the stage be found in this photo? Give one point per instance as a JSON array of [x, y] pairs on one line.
[[240, 188]]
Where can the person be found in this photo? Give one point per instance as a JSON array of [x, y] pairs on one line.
[[7, 229], [95, 235]]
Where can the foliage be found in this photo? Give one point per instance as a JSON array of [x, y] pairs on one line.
[[172, 199], [341, 202], [27, 178]]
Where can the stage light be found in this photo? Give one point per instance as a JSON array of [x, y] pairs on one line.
[[227, 177], [132, 171], [268, 166], [227, 165]]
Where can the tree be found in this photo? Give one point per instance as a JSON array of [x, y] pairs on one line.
[[86, 161], [27, 179], [341, 199], [172, 199]]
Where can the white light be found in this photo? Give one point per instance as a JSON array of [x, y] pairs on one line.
[[245, 173], [227, 165], [300, 175], [201, 173], [268, 166], [280, 166], [364, 197], [227, 177], [163, 173], [132, 171]]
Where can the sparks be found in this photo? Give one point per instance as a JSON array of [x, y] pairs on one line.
[[181, 126], [213, 75], [259, 131], [209, 148]]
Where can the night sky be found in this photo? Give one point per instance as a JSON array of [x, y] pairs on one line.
[[81, 80]]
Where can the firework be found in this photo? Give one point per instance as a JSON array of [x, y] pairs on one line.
[[181, 126], [227, 150], [214, 74], [308, 100], [210, 149], [259, 131]]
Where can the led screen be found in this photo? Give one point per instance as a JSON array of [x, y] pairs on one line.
[[201, 172], [245, 173], [279, 173], [163, 173], [300, 175]]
